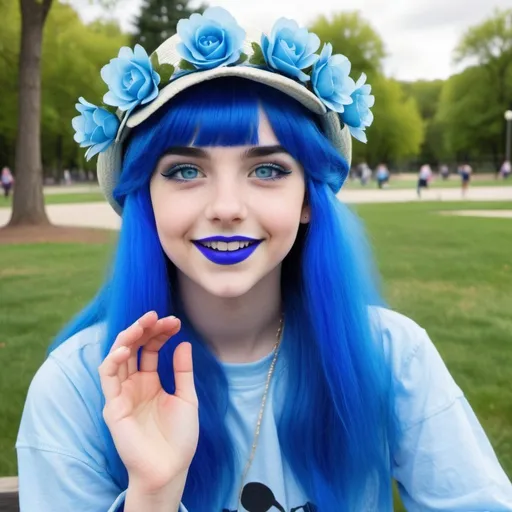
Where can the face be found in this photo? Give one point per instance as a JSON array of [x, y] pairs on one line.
[[227, 216]]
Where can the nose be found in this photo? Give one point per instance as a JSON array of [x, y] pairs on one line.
[[227, 203]]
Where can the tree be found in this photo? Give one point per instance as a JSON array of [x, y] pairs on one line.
[[473, 102], [28, 201], [158, 19], [351, 35], [73, 55], [9, 52], [490, 45], [427, 95], [397, 131]]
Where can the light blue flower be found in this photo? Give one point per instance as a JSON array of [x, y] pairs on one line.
[[331, 81], [211, 39], [131, 79], [94, 127], [358, 116], [290, 49]]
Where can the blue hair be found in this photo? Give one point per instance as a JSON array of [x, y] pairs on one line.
[[337, 407]]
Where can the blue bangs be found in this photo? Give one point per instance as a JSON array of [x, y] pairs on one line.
[[226, 112]]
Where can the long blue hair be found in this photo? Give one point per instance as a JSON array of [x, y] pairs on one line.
[[336, 425]]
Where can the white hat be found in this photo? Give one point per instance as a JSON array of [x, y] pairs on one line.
[[169, 60]]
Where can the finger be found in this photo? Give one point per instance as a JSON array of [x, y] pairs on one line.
[[163, 330], [184, 373], [133, 333], [147, 322], [109, 372]]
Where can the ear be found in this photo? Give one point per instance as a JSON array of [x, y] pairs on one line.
[[305, 214]]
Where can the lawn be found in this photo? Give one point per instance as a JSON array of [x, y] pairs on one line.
[[77, 197], [453, 275], [407, 183]]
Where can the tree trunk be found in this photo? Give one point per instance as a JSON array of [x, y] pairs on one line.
[[28, 200]]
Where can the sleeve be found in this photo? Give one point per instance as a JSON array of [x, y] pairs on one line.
[[61, 455], [443, 460]]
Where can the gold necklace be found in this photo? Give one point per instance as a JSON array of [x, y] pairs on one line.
[[262, 409]]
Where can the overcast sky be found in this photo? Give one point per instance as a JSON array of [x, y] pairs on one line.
[[419, 35]]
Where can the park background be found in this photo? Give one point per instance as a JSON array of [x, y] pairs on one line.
[[451, 274]]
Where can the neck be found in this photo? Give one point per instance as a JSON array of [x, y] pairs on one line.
[[238, 330]]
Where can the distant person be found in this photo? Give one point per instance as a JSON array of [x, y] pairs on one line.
[[67, 177], [506, 169], [7, 181], [424, 177], [382, 175], [444, 172], [465, 172], [366, 173]]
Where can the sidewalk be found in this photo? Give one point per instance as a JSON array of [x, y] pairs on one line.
[[101, 215]]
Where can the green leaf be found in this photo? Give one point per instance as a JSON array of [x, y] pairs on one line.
[[257, 58], [110, 108], [308, 70], [165, 71], [187, 66], [242, 59], [154, 61]]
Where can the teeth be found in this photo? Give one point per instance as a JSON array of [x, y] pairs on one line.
[[225, 246]]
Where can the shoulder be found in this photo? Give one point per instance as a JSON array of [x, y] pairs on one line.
[[422, 384]]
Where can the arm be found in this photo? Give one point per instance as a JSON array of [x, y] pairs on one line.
[[443, 460]]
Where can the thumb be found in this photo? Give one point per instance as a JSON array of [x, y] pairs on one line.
[[184, 373]]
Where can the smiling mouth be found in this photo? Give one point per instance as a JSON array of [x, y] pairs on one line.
[[227, 246], [223, 250]]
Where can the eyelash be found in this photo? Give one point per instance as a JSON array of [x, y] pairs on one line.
[[172, 171]]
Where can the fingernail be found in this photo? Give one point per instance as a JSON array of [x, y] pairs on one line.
[[121, 349]]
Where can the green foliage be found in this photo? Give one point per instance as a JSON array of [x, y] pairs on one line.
[[9, 53], [158, 19], [427, 95], [397, 131], [257, 57], [73, 55], [351, 35], [473, 102]]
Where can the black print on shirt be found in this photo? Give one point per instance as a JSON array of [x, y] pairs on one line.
[[257, 497]]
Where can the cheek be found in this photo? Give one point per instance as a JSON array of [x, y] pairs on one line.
[[171, 215]]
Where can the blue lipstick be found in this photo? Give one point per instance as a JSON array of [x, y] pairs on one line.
[[227, 257]]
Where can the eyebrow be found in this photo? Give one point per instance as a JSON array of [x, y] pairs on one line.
[[254, 152]]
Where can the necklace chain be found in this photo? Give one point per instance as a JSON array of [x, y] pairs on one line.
[[262, 410]]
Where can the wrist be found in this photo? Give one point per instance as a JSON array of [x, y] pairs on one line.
[[164, 497]]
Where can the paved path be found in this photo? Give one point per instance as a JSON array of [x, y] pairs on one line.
[[100, 215]]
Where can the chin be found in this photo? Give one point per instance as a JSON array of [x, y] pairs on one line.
[[227, 288]]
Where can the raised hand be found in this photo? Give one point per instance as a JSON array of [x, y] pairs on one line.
[[155, 433]]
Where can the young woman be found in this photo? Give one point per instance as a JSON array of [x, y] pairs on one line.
[[238, 356]]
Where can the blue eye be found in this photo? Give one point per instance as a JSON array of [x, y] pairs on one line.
[[270, 172], [182, 172]]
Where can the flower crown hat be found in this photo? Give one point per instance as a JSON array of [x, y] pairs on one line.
[[212, 45]]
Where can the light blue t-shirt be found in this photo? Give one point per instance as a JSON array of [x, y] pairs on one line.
[[443, 459]]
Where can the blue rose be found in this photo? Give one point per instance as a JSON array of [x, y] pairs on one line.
[[131, 79], [94, 127], [290, 49], [358, 116], [211, 39], [331, 81]]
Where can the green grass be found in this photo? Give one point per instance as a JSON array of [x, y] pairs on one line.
[[453, 182], [80, 197], [453, 275]]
